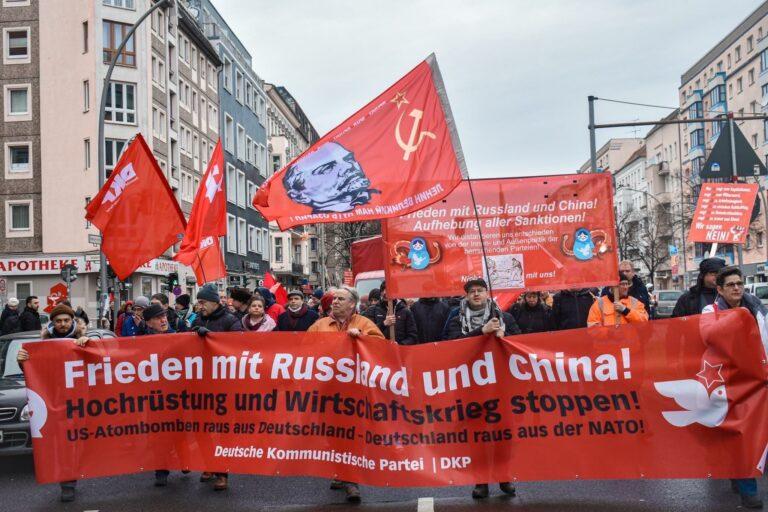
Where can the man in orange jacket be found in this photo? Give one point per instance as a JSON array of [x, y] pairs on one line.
[[628, 309]]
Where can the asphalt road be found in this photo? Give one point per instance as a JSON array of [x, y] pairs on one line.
[[129, 493]]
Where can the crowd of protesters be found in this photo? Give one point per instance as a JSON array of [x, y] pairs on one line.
[[405, 322]]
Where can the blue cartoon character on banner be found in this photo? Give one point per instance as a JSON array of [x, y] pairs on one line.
[[414, 254], [586, 244]]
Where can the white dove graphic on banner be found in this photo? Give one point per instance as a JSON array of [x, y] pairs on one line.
[[700, 406]]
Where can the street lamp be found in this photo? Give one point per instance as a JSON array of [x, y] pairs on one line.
[[103, 287]]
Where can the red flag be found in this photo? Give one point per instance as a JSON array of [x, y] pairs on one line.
[[277, 289], [135, 210], [394, 156], [207, 222]]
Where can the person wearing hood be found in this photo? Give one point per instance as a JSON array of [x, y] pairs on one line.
[[273, 308], [134, 325], [240, 299], [532, 315], [9, 319], [61, 326], [730, 295], [430, 315], [629, 309], [406, 332], [298, 316], [703, 293], [570, 308], [185, 315]]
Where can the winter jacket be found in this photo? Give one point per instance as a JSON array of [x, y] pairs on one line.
[[406, 332], [220, 320], [131, 328], [637, 290], [173, 320], [533, 319], [29, 320], [9, 321], [266, 324], [695, 299], [453, 329], [302, 322], [753, 305], [359, 322], [77, 330], [430, 316], [570, 309], [184, 320], [120, 321], [603, 313]]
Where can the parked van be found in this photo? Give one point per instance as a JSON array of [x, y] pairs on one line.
[[760, 290]]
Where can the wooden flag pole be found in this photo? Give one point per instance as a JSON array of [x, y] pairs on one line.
[[391, 311], [616, 298]]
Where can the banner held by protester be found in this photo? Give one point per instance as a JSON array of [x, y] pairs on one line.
[[399, 153], [680, 398]]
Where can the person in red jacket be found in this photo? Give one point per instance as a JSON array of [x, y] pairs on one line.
[[273, 308]]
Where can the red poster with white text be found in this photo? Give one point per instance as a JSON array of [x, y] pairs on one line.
[[543, 233], [723, 213]]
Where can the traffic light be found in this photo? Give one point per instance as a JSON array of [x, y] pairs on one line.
[[171, 281]]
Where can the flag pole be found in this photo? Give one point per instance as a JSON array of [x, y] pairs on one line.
[[202, 269], [482, 243]]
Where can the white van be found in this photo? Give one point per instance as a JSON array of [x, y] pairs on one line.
[[760, 290]]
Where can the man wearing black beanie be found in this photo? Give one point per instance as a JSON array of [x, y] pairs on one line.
[[703, 293]]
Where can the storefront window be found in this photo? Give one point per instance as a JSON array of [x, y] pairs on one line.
[[146, 286]]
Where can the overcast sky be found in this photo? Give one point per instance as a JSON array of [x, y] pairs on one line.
[[517, 72]]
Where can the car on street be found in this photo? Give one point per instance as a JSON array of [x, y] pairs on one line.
[[759, 290], [666, 300], [14, 413]]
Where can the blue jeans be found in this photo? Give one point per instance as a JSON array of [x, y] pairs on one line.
[[746, 486]]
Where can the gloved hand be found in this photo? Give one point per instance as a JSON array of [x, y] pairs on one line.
[[202, 331]]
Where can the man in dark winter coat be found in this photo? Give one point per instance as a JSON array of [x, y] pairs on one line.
[[703, 293], [637, 288], [298, 316], [9, 319], [240, 299], [29, 319], [570, 308], [532, 315], [214, 318], [406, 332], [430, 315]]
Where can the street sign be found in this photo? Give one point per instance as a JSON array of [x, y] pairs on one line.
[[720, 161], [68, 273], [94, 239], [722, 213]]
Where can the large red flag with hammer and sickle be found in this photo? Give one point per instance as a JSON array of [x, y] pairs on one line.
[[136, 211], [207, 222], [396, 155]]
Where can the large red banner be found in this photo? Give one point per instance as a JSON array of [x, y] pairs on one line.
[[723, 213], [543, 233], [679, 398]]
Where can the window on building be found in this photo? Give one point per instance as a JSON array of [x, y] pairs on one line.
[[750, 44], [242, 234], [239, 92], [738, 53], [203, 114], [86, 95], [739, 85], [213, 118], [249, 150], [123, 4], [695, 110], [763, 60], [158, 71], [252, 237], [754, 141], [18, 157], [278, 250], [184, 49], [112, 150], [751, 76], [158, 22], [759, 236], [229, 134], [242, 191], [17, 104], [19, 215], [87, 153], [720, 66], [85, 37], [227, 74], [276, 163], [211, 76], [250, 193], [231, 184], [195, 186], [697, 138], [114, 34], [121, 103], [203, 71], [249, 94], [240, 143], [196, 151], [313, 244], [231, 233], [16, 43], [158, 123]]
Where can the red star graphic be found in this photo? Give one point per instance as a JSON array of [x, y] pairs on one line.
[[710, 373], [399, 99]]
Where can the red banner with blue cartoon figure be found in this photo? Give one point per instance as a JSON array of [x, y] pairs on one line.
[[542, 233]]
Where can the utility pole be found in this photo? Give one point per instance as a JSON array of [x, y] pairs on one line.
[[592, 143], [739, 251], [682, 196], [103, 285]]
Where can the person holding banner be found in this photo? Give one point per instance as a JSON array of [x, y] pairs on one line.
[[731, 294], [703, 293], [256, 319], [62, 325], [570, 308], [214, 318], [298, 316], [532, 315], [630, 310], [343, 317], [401, 317]]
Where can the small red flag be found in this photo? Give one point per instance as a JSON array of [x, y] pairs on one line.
[[200, 248], [136, 211], [396, 155], [277, 289]]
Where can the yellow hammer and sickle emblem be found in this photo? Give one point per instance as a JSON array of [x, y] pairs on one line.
[[416, 137]]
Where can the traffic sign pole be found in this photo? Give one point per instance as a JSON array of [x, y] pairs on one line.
[[739, 251]]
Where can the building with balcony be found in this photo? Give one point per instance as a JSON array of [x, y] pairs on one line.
[[613, 155]]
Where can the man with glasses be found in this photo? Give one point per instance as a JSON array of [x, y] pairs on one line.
[[629, 310], [344, 318], [731, 294]]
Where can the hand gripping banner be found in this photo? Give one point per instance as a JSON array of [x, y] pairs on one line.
[[680, 398]]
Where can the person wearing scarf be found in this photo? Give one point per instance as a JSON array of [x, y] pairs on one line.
[[272, 308], [298, 316], [479, 315], [256, 319], [730, 295]]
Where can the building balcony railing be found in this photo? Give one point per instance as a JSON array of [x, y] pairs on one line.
[[298, 268]]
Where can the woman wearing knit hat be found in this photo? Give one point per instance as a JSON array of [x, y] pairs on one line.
[[62, 325]]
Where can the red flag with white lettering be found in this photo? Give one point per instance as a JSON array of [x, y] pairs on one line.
[[396, 155], [136, 211], [200, 248]]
